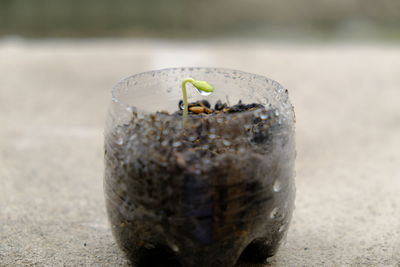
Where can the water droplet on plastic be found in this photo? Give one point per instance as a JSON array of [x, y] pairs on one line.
[[132, 137], [257, 113], [164, 143], [281, 229], [277, 186], [174, 248], [277, 112], [212, 136], [192, 138], [203, 93], [119, 141], [207, 161], [263, 116], [274, 213], [226, 143], [176, 144]]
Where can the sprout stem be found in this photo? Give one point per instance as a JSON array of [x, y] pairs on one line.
[[185, 101], [200, 85]]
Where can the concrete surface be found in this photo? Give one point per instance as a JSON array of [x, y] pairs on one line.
[[53, 100]]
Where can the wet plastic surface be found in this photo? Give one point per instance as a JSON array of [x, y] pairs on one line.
[[217, 190]]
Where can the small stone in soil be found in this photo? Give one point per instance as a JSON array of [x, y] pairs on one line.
[[204, 103], [219, 105], [197, 110]]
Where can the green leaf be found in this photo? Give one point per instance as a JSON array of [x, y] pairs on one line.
[[203, 86]]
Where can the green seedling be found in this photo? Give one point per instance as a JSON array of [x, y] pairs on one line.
[[203, 87]]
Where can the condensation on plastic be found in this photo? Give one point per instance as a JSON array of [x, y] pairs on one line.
[[220, 188]]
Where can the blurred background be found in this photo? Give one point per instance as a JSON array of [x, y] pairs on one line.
[[189, 18], [339, 59]]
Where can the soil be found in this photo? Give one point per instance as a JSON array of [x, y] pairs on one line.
[[206, 194], [203, 108]]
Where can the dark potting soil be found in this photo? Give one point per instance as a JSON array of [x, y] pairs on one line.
[[209, 193]]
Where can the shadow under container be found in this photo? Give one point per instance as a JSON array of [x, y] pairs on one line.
[[219, 189]]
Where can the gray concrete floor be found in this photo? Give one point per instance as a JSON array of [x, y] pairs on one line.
[[53, 101]]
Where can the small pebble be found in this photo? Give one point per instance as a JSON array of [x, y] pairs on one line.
[[219, 105], [197, 110], [204, 103]]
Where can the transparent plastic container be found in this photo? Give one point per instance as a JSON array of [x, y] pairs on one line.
[[219, 190]]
